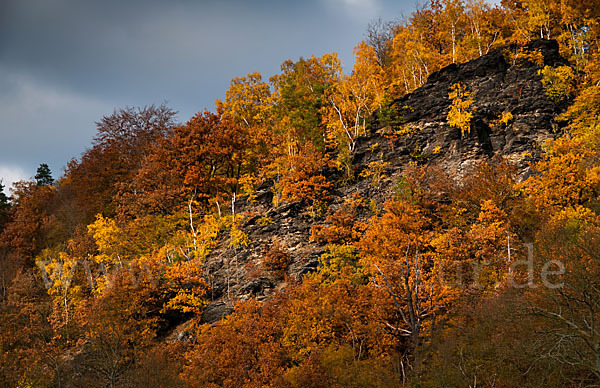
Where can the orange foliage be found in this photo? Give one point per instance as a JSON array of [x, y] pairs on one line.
[[276, 259]]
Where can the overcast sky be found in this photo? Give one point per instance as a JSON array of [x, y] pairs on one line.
[[66, 63]]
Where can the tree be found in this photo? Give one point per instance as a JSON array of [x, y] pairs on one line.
[[25, 333], [43, 177], [27, 233], [4, 207], [380, 36], [569, 176], [240, 351], [418, 49], [249, 104], [396, 251], [209, 148], [247, 101], [117, 329], [452, 22], [460, 112], [352, 99], [298, 98], [123, 140], [569, 303], [484, 31]]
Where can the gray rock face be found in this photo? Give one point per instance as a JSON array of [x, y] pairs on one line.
[[497, 87], [215, 311]]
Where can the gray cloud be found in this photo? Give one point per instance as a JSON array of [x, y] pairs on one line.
[[65, 63]]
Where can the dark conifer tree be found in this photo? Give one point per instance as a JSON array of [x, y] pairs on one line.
[[4, 206], [44, 175]]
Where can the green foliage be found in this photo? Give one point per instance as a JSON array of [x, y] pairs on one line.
[[299, 96], [389, 114], [4, 200], [344, 163], [403, 190]]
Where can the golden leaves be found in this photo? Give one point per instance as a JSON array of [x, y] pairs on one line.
[[461, 112]]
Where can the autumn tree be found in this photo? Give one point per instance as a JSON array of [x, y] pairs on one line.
[[569, 176], [494, 180], [464, 356], [25, 333], [249, 104], [210, 151], [412, 59], [27, 232], [453, 25], [201, 162], [418, 48], [157, 367], [115, 334], [461, 111], [443, 32], [484, 29], [568, 300], [396, 250], [240, 351], [379, 36], [155, 189], [122, 141], [353, 99], [276, 259]]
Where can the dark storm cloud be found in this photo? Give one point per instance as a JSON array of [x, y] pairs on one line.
[[65, 63]]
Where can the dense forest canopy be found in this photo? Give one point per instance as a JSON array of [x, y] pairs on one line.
[[484, 278]]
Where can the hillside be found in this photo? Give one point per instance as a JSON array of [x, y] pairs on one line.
[[497, 87], [430, 219]]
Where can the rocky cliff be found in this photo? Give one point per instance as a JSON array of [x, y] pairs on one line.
[[417, 131]]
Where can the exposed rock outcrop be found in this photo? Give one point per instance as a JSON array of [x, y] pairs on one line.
[[419, 133], [498, 87]]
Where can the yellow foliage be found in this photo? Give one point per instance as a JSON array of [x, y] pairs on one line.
[[186, 280], [248, 100], [406, 130], [265, 220], [569, 176], [196, 243], [353, 98], [238, 237], [337, 259], [247, 183], [186, 302], [376, 171], [106, 233], [558, 82], [505, 118], [461, 112]]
